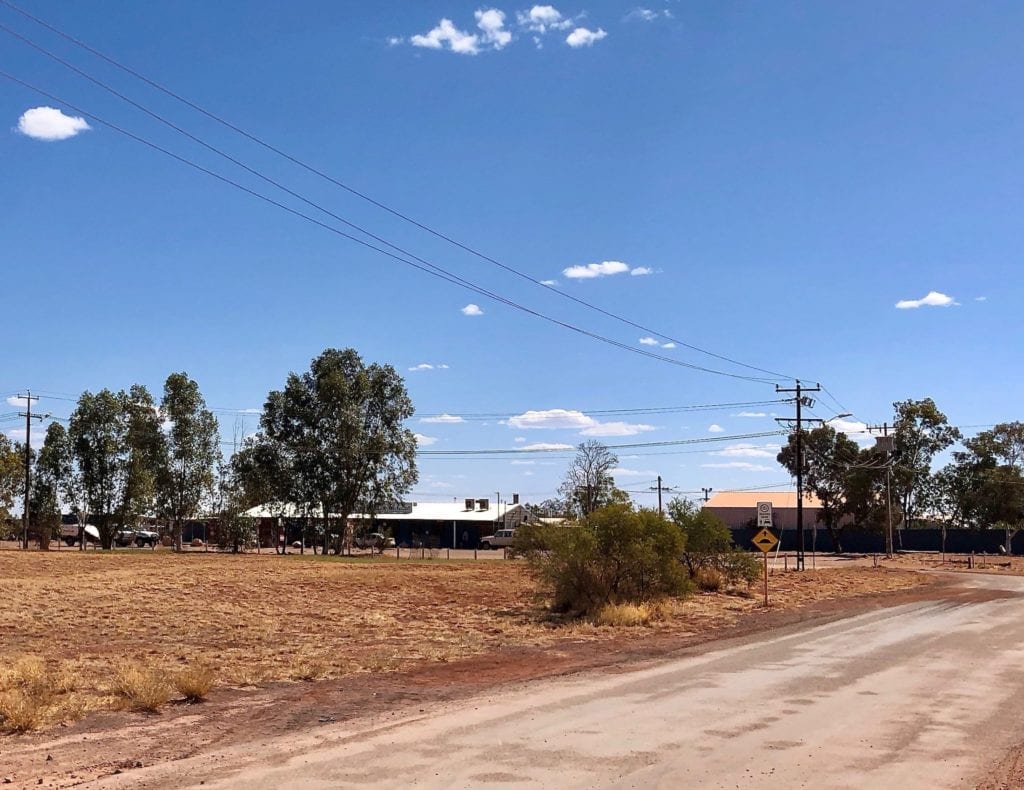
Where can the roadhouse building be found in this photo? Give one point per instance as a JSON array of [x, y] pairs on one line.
[[738, 509]]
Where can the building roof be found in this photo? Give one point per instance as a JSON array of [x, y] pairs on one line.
[[779, 499], [448, 511], [420, 511]]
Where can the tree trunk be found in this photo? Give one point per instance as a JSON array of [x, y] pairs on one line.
[[176, 530], [836, 533]]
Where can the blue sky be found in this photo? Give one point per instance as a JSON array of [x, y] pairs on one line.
[[763, 180]]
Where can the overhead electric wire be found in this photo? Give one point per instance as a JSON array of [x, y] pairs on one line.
[[627, 446], [602, 412], [433, 270], [351, 190]]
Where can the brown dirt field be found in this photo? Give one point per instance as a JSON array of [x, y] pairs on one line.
[[403, 630]]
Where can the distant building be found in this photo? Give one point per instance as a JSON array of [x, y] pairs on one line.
[[458, 525], [738, 509]]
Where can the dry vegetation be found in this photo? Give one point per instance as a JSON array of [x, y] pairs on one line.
[[89, 631]]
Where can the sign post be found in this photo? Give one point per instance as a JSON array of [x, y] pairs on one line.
[[766, 541]]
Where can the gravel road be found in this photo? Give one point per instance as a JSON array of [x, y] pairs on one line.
[[923, 695]]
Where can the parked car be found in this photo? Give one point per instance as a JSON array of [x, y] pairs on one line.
[[124, 537], [146, 537], [499, 540], [69, 534], [375, 540]]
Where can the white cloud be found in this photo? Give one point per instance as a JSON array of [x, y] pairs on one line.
[[551, 419], [932, 299], [519, 439], [648, 341], [546, 446], [640, 271], [646, 15], [549, 282], [668, 345], [715, 428], [472, 309], [14, 400], [749, 451], [856, 430], [542, 18], [980, 298], [443, 419], [47, 123], [592, 270], [424, 441], [750, 414], [458, 41], [422, 366], [492, 22], [523, 463], [616, 429], [394, 41], [622, 472], [582, 37], [744, 465]]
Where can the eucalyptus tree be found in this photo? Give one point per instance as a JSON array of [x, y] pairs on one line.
[[921, 433], [588, 484], [338, 432], [50, 480], [189, 454]]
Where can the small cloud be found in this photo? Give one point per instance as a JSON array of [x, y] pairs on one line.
[[424, 441], [545, 446], [623, 472], [541, 19], [592, 270], [668, 345], [443, 419], [394, 41], [744, 465], [472, 309], [616, 429], [750, 414], [646, 15], [458, 41], [549, 282], [49, 124], [14, 400], [715, 428], [648, 341], [980, 298], [932, 299], [422, 366], [551, 419], [519, 439], [640, 271], [492, 23], [749, 451], [856, 430], [582, 37]]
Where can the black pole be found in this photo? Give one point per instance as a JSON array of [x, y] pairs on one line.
[[799, 485]]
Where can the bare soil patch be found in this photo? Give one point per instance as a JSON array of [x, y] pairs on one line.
[[373, 635]]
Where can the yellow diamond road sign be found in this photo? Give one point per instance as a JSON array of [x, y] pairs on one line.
[[765, 540]]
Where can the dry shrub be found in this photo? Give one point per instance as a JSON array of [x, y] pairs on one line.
[[709, 579], [194, 682], [21, 710], [306, 666], [141, 689], [624, 614]]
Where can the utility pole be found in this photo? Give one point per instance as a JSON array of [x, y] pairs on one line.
[[707, 494], [28, 397], [801, 400], [659, 488], [885, 442]]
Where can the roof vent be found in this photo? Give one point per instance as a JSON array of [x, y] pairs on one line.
[[469, 503], [484, 504], [515, 499]]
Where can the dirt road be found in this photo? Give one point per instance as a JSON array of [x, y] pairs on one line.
[[920, 695]]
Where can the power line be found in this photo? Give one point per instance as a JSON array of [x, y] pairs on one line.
[[669, 443], [428, 268], [363, 196]]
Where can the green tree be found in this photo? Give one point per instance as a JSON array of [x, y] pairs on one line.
[[708, 542], [588, 485], [921, 433], [12, 478], [337, 430], [828, 457], [50, 478], [185, 476], [116, 446]]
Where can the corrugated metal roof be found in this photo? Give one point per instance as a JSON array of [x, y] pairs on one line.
[[779, 499], [421, 511]]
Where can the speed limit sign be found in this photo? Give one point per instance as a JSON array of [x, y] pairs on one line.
[[764, 514]]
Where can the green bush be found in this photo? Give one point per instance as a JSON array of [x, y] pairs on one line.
[[709, 544], [617, 555]]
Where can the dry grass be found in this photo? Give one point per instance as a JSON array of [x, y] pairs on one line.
[[709, 580], [141, 688], [625, 614], [195, 682], [34, 693], [263, 618]]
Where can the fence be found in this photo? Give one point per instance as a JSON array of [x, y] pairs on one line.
[[858, 541]]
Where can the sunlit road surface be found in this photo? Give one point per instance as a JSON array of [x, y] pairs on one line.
[[923, 695]]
